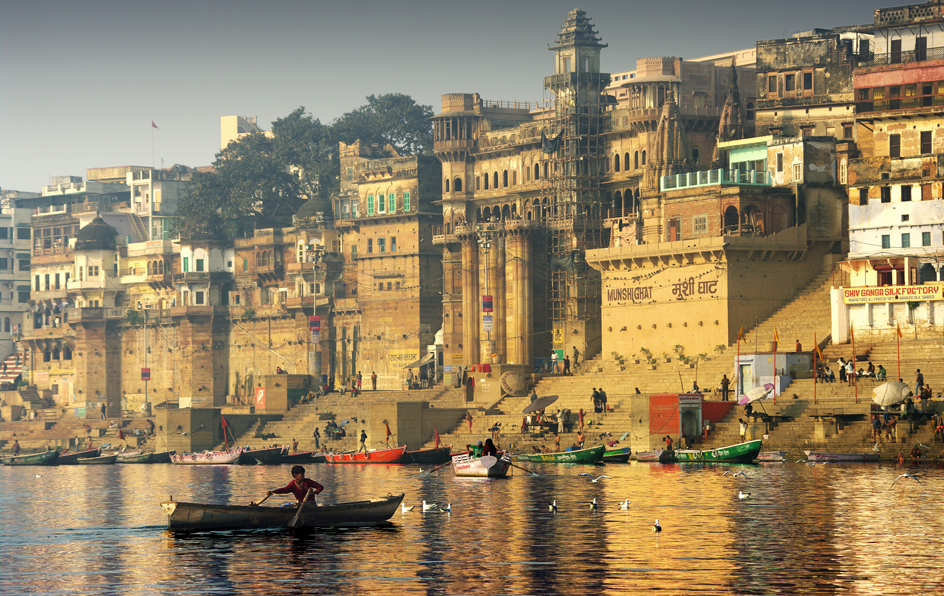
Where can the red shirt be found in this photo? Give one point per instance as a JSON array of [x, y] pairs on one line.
[[299, 491]]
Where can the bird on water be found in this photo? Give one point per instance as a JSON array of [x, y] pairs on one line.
[[656, 527], [592, 479]]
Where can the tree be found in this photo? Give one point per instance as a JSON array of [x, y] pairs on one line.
[[393, 118]]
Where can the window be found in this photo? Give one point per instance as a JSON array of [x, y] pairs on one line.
[[350, 174], [505, 179], [22, 234], [406, 197], [485, 178], [446, 185], [199, 264], [797, 173], [905, 217], [886, 194], [847, 131], [4, 233], [245, 265], [886, 241], [353, 251], [495, 179], [37, 281], [925, 141], [905, 194], [863, 196], [843, 172], [370, 245], [57, 282], [643, 158], [3, 264], [370, 205], [22, 297], [906, 240], [380, 286], [772, 84], [478, 184], [398, 286], [198, 297], [381, 245], [921, 48], [789, 83], [381, 204], [46, 280], [925, 238], [389, 286], [701, 224], [186, 266], [393, 244], [780, 162], [807, 81], [392, 203]]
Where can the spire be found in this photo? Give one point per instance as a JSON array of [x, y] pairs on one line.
[[671, 153], [578, 30], [731, 123]]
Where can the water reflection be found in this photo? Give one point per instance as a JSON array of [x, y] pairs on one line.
[[804, 530]]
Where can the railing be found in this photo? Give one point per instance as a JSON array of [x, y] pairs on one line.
[[909, 56], [899, 103], [712, 177], [621, 214], [192, 276]]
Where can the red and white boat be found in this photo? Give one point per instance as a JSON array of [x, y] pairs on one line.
[[820, 456], [208, 458], [481, 467], [771, 456], [374, 456]]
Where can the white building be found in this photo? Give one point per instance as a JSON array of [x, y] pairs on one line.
[[14, 267]]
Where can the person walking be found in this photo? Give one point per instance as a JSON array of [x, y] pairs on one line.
[[567, 365], [725, 387], [919, 384], [595, 399], [742, 429], [358, 381], [317, 437], [468, 417], [363, 446], [560, 422], [554, 362], [373, 381], [576, 356], [16, 447], [103, 411], [603, 406], [842, 369]]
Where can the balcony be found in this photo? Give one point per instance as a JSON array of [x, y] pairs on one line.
[[197, 310], [441, 236], [191, 277], [95, 315], [300, 302], [101, 282], [901, 105], [911, 56], [714, 178], [132, 275]]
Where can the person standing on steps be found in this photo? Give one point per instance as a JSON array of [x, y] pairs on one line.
[[363, 446], [373, 380], [842, 369], [567, 365], [725, 387], [576, 356], [919, 384], [603, 406], [742, 428], [799, 348], [554, 362], [103, 411]]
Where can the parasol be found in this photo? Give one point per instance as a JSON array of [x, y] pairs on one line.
[[755, 394], [539, 404], [891, 393]]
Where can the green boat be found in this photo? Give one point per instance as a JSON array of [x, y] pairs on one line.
[[742, 453], [592, 455], [616, 456], [46, 458], [134, 458]]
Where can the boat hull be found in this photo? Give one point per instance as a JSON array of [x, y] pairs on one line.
[[303, 457], [427, 456], [72, 459], [269, 456], [46, 458], [591, 455], [162, 457], [215, 458], [617, 456], [374, 456], [740, 453], [660, 456], [199, 516], [474, 467], [771, 456], [101, 460], [820, 456], [137, 458]]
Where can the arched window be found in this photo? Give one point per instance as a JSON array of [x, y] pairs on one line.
[[626, 161], [66, 353], [505, 179], [447, 185], [258, 260], [495, 178], [545, 169], [486, 181], [695, 156], [731, 220], [55, 353], [636, 160], [150, 268], [618, 201], [478, 185], [643, 157], [926, 274], [537, 171], [616, 163], [457, 186], [160, 266]]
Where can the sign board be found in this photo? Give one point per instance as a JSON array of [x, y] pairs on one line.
[[486, 304], [145, 374], [260, 397], [447, 368], [314, 322], [487, 322], [883, 294]]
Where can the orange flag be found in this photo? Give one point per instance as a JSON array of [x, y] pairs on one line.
[[819, 354], [898, 328], [388, 430], [741, 333], [851, 331], [436, 431], [776, 339]]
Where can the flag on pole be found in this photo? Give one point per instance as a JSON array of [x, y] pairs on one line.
[[776, 339], [851, 331], [223, 418], [154, 125], [388, 430], [898, 328], [819, 353], [741, 333], [436, 434]]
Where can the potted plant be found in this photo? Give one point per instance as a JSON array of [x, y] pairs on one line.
[[667, 357]]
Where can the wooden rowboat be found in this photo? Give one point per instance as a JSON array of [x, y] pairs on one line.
[[208, 458], [262, 457], [200, 516], [661, 456], [302, 457], [771, 456], [740, 453], [101, 460], [481, 467], [374, 456], [616, 456], [134, 457], [819, 456], [162, 457], [46, 458], [433, 455], [591, 455], [70, 459]]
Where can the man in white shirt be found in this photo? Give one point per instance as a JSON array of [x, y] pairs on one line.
[[554, 361]]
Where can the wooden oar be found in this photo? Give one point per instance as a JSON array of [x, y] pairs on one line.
[[301, 507], [525, 469], [428, 472], [260, 502]]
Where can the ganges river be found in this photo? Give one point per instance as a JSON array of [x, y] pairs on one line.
[[824, 529]]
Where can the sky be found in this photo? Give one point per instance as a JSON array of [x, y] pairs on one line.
[[82, 81]]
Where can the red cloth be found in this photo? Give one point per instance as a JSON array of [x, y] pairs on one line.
[[299, 491], [121, 435]]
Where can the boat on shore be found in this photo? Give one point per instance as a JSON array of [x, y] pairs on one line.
[[591, 455], [162, 457], [771, 456], [208, 458], [617, 456], [433, 455], [134, 457], [44, 458], [101, 460], [301, 457], [661, 456], [821, 456], [201, 516], [374, 456], [740, 453], [266, 456], [71, 459], [489, 466]]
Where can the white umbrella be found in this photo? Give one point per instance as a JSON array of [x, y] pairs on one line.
[[755, 394], [891, 393]]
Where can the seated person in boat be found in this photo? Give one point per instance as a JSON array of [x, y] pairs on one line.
[[298, 486], [489, 448]]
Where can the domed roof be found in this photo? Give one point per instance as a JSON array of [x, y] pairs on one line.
[[97, 235], [312, 207]]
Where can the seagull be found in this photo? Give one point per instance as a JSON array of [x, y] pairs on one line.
[[593, 504], [923, 446], [431, 507], [912, 476], [800, 461], [553, 507], [592, 479], [405, 509], [875, 447], [447, 509], [734, 474], [38, 475], [743, 495], [656, 527], [625, 504]]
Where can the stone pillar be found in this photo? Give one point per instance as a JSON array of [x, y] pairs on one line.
[[470, 296], [496, 282], [518, 281]]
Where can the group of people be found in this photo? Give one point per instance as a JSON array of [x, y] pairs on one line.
[[598, 397], [555, 362], [848, 373], [420, 381]]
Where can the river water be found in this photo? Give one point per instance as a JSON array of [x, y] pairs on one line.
[[820, 529]]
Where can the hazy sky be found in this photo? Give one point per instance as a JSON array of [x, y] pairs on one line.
[[81, 81]]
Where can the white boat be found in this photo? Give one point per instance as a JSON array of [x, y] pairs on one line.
[[481, 467], [208, 458], [771, 456]]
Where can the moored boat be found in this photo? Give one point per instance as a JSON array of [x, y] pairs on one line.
[[319, 458], [208, 458], [481, 467], [200, 516], [44, 458], [266, 456], [101, 460], [616, 456], [70, 459], [162, 457], [661, 456], [302, 457], [591, 455], [374, 456], [742, 452], [433, 455], [820, 456], [134, 457], [771, 456]]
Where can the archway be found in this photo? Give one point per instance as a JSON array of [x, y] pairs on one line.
[[731, 220], [927, 273], [457, 185]]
